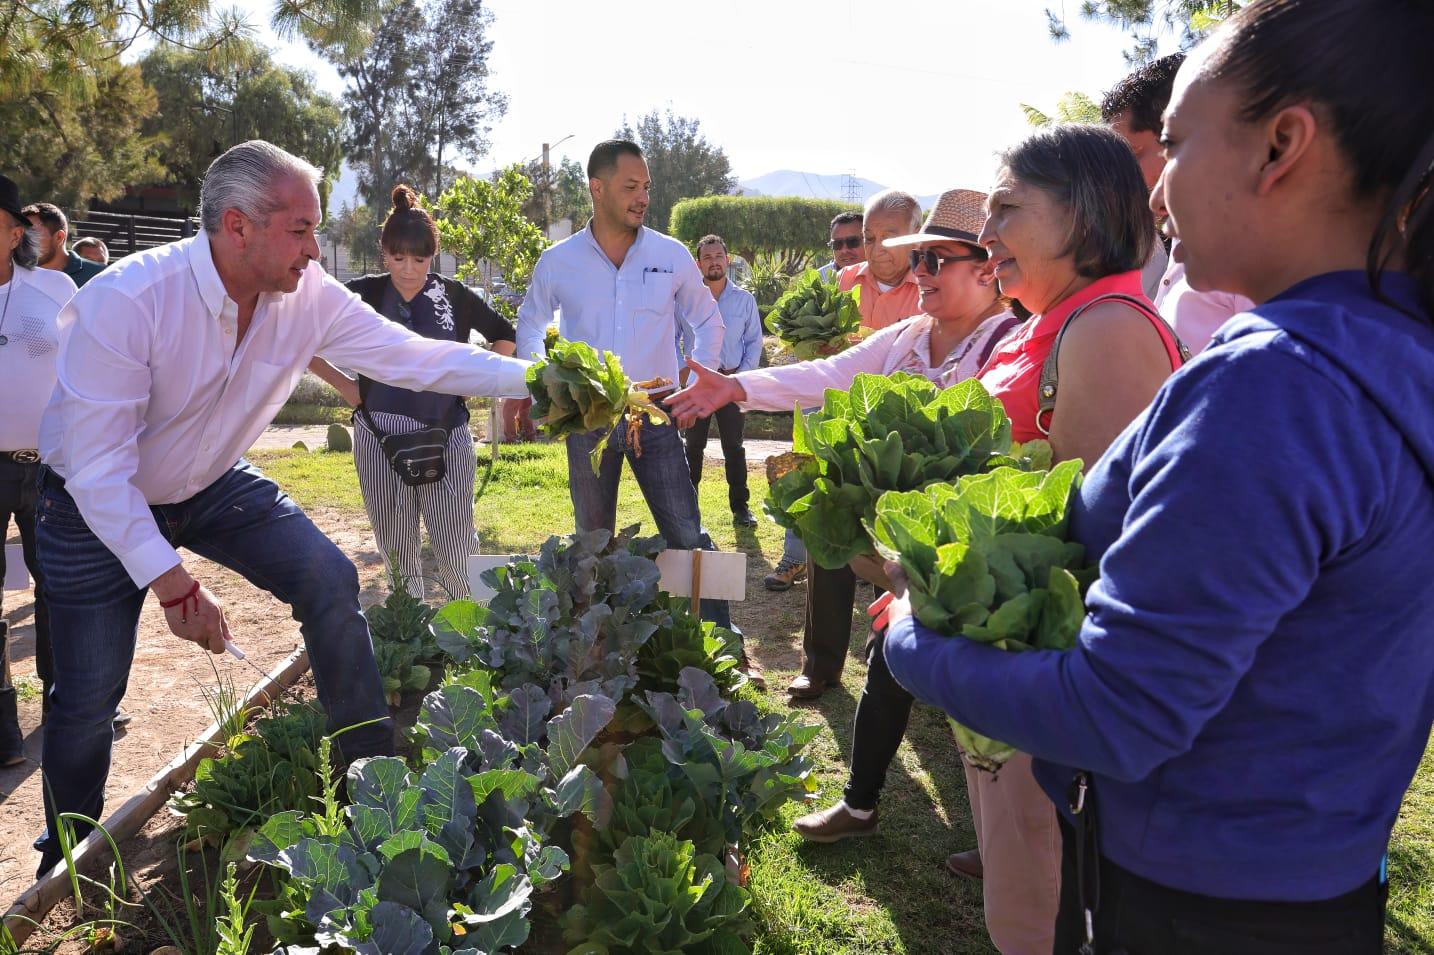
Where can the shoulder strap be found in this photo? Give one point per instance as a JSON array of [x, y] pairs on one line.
[[1046, 390]]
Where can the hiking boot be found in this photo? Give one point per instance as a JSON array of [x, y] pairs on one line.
[[786, 574], [835, 824]]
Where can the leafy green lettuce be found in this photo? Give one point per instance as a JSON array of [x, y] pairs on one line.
[[987, 559], [814, 317], [576, 391], [886, 433]]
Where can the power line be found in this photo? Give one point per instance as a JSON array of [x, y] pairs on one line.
[[851, 192]]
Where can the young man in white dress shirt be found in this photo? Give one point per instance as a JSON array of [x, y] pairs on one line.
[[30, 299], [171, 363], [624, 288]]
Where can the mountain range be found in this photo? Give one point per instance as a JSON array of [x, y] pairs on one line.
[[794, 182]]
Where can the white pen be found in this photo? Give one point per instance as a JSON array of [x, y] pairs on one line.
[[234, 650]]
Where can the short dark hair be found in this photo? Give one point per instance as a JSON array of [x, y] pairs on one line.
[[27, 253], [712, 239], [1092, 172], [1283, 51], [409, 229], [49, 215], [846, 218], [603, 159], [1144, 94], [91, 242]]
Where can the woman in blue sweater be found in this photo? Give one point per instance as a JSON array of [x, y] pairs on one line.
[[1254, 686]]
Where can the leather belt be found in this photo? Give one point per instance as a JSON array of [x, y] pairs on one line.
[[24, 456]]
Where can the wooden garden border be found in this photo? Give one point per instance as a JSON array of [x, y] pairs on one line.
[[35, 903]]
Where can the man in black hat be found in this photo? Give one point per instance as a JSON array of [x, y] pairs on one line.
[[30, 302]]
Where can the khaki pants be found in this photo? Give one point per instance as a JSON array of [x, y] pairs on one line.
[[1020, 845]]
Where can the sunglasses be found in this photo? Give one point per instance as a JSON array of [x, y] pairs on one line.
[[933, 262], [850, 242]]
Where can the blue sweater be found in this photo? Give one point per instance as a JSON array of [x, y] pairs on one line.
[[1254, 685]]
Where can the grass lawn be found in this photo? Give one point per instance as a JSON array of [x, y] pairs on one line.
[[887, 894]]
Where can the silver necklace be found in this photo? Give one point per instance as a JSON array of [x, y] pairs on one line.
[[9, 290]]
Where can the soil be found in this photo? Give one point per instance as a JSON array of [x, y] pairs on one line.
[[164, 695], [168, 709]]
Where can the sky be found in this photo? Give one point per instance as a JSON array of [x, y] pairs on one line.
[[913, 94]]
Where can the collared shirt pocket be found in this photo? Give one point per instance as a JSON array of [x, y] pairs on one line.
[[656, 292], [267, 387]]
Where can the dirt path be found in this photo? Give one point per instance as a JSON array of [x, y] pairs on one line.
[[164, 694], [164, 688]]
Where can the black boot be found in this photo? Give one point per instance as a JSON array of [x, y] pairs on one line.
[[12, 741]]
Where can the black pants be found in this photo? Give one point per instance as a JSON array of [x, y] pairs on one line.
[[18, 493], [831, 595], [734, 456], [881, 717], [1139, 917]]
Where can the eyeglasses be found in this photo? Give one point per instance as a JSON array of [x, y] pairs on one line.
[[405, 312], [933, 262], [850, 242]]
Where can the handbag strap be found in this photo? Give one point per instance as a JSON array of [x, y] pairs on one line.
[[1046, 389]]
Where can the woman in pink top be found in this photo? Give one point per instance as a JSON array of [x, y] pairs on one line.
[[962, 320], [1068, 229]]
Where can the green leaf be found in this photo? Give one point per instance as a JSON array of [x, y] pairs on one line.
[[419, 878], [570, 732]]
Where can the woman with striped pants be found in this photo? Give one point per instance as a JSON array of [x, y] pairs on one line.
[[436, 307]]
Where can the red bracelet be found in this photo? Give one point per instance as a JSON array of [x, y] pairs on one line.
[[191, 594]]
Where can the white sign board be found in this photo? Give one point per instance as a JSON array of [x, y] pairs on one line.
[[723, 575], [16, 576]]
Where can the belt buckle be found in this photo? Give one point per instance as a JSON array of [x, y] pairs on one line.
[[27, 456]]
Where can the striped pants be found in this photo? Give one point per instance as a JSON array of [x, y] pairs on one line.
[[394, 508]]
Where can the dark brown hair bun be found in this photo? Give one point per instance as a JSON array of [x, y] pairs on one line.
[[404, 198]]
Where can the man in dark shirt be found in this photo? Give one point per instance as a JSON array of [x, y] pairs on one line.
[[53, 228]]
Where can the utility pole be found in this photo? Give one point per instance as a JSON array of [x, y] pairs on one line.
[[849, 191], [547, 192]]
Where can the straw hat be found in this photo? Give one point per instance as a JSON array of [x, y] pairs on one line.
[[959, 214]]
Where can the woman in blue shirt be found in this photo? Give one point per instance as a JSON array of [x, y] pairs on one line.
[[413, 295], [1254, 686]]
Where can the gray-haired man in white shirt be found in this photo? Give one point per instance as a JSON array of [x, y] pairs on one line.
[[171, 363]]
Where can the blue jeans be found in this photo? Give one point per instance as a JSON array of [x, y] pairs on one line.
[[241, 521], [661, 474], [793, 550]]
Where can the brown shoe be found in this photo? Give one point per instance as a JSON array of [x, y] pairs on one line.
[[785, 574], [966, 864], [835, 824], [807, 688], [751, 671]]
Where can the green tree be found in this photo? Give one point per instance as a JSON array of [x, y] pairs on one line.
[[1189, 20], [570, 198], [204, 108], [417, 94], [681, 161], [1070, 108], [71, 149], [482, 222], [58, 46], [355, 229], [787, 226]]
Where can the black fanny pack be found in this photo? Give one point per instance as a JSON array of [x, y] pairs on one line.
[[417, 457]]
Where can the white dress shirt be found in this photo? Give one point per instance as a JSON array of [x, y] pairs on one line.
[[1195, 315], [630, 311], [153, 403], [30, 304]]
